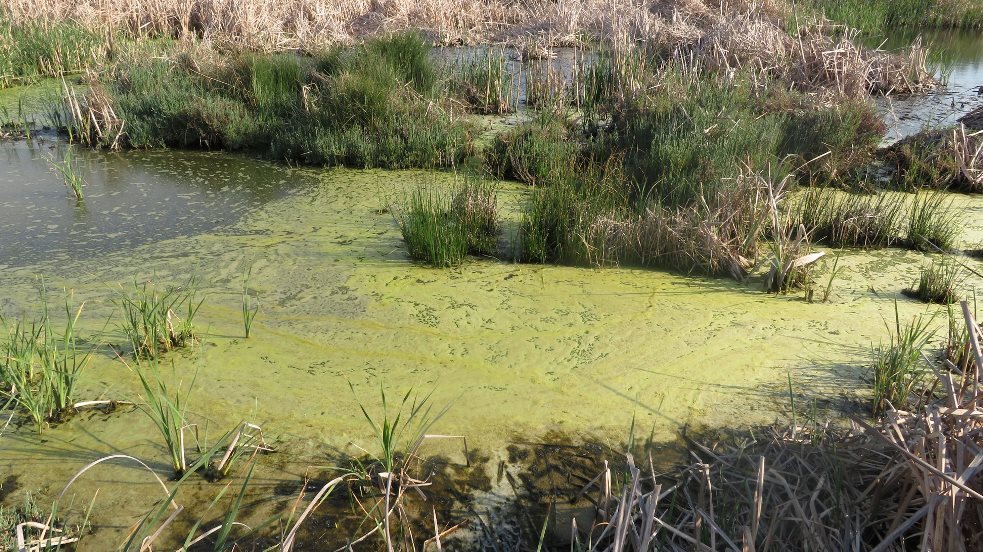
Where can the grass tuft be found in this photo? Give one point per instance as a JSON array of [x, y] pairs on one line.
[[40, 365], [937, 283], [898, 370], [932, 224], [158, 320]]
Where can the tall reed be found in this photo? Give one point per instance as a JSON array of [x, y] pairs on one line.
[[70, 170], [250, 308]]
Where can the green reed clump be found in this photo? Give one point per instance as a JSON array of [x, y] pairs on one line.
[[31, 51], [549, 225], [441, 229], [157, 320], [166, 404], [932, 224], [70, 170], [486, 84], [541, 152], [377, 104], [475, 209], [40, 365], [431, 232], [848, 220], [937, 283], [878, 17], [897, 366]]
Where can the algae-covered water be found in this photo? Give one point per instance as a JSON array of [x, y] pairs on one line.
[[515, 350]]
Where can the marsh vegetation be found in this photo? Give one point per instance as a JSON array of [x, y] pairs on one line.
[[734, 144]]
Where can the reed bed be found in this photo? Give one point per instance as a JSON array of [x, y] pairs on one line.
[[937, 283], [379, 104], [733, 34]]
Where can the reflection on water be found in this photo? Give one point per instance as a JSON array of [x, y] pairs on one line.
[[130, 200], [958, 56]]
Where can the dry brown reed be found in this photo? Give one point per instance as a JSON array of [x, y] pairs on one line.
[[733, 34], [968, 152], [818, 57]]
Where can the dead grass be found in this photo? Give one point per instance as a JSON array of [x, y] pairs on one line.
[[734, 34]]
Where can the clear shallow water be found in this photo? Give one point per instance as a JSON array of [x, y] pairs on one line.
[[130, 200], [959, 54]]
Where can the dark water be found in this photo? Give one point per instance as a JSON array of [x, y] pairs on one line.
[[130, 199], [958, 59]]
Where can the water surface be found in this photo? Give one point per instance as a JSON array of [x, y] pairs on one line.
[[958, 60]]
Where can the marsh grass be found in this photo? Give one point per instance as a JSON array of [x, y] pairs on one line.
[[475, 209], [34, 50], [378, 104], [430, 231], [932, 224], [440, 228], [937, 283], [542, 152], [70, 170], [843, 219], [898, 369], [156, 319], [878, 17], [41, 365]]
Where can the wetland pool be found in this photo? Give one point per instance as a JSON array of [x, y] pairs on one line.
[[518, 352]]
